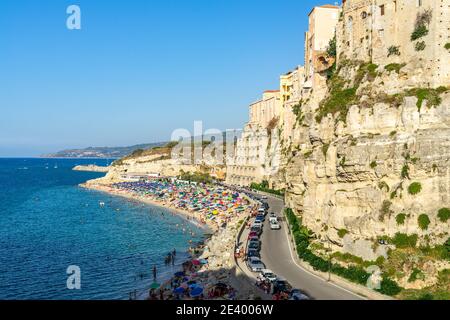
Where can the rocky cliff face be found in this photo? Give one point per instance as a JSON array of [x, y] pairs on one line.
[[351, 172]]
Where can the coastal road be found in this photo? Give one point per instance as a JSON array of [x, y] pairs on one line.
[[277, 256]]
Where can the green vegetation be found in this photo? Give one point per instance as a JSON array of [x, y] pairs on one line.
[[325, 148], [431, 95], [331, 49], [419, 32], [447, 46], [373, 164], [389, 287], [385, 209], [402, 240], [405, 172], [401, 217], [416, 274], [264, 187], [198, 177], [421, 27], [339, 99], [393, 51], [383, 185], [297, 110], [394, 67], [444, 214], [439, 291], [342, 233], [414, 188], [424, 221], [420, 46], [308, 154]]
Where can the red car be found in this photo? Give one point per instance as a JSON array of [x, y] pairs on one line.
[[253, 234]]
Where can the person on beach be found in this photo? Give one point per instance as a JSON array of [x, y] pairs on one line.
[[174, 252], [154, 272]]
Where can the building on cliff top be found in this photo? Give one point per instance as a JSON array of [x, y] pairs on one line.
[[413, 32], [322, 28]]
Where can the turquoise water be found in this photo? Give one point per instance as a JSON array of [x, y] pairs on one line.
[[48, 223]]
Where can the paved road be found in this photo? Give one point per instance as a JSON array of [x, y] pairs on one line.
[[277, 256]]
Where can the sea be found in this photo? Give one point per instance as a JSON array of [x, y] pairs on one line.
[[57, 242]]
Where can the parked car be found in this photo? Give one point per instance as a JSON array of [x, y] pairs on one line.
[[257, 229], [281, 285], [272, 215], [296, 294], [255, 264], [254, 245], [264, 197], [268, 275], [257, 223], [260, 217], [253, 253], [273, 220], [253, 234], [253, 238]]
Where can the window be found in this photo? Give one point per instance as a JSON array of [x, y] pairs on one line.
[[382, 10], [419, 3]]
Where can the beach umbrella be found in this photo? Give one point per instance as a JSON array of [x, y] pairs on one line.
[[179, 274], [195, 262], [155, 285], [197, 291], [178, 290]]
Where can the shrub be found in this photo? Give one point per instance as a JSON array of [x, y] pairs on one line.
[[339, 100], [325, 148], [415, 275], [373, 164], [419, 32], [393, 51], [401, 217], [424, 221], [405, 172], [431, 95], [264, 187], [342, 233], [383, 185], [402, 240], [444, 214], [420, 46], [389, 287], [385, 209], [394, 67], [414, 188], [447, 46], [331, 49]]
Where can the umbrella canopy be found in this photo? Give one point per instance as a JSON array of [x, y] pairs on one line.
[[196, 262], [179, 290], [197, 291], [179, 274], [155, 285]]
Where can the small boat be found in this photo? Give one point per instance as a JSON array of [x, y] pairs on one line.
[[102, 204], [56, 166]]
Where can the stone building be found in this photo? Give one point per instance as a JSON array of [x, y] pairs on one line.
[[322, 28], [257, 149], [381, 31]]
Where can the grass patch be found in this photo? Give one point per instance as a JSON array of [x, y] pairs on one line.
[[400, 218], [342, 233], [444, 214], [414, 188], [431, 95], [423, 221], [402, 240], [394, 67]]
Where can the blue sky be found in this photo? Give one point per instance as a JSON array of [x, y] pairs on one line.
[[137, 70]]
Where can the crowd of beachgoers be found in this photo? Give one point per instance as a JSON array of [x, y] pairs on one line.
[[211, 204], [208, 273]]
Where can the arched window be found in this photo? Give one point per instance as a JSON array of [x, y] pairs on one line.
[[364, 15], [350, 24]]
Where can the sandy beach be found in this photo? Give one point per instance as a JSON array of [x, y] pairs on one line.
[[218, 250]]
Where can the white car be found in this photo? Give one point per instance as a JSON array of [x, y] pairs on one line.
[[257, 224], [268, 275], [273, 220], [275, 226], [255, 264], [264, 197]]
